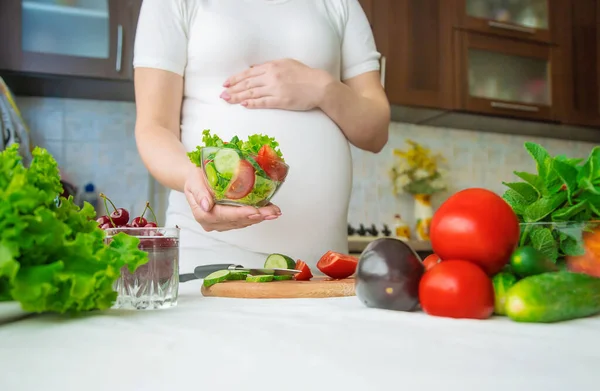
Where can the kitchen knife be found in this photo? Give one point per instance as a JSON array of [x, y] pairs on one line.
[[203, 271]]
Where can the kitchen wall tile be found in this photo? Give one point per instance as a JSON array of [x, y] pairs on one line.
[[94, 141], [44, 117]]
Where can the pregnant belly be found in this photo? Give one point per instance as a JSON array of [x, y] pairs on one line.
[[314, 199]]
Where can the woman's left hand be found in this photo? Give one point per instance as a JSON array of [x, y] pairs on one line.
[[280, 84]]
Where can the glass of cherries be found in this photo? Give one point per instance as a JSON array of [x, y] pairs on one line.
[[155, 284]]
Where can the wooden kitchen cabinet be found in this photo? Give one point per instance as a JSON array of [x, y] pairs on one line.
[[580, 41], [81, 38], [519, 19], [415, 39], [497, 77]]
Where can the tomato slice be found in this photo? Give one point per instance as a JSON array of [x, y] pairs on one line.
[[430, 261], [271, 163], [242, 182], [305, 273], [337, 266]]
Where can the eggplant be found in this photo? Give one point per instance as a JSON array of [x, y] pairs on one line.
[[388, 275]]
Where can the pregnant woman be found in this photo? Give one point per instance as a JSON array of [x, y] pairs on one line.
[[305, 72]]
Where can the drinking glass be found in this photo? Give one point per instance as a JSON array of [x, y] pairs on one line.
[[154, 285]]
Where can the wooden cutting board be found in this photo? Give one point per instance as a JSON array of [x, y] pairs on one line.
[[318, 287]]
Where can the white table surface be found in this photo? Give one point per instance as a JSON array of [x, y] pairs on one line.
[[298, 344]]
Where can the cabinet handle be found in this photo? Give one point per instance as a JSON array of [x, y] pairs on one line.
[[119, 47], [512, 106], [512, 27], [383, 65]]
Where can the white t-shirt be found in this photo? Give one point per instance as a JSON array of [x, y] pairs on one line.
[[207, 41]]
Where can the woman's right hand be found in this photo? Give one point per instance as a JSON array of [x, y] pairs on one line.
[[221, 217]]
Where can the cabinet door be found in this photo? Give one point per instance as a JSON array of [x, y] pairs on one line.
[[505, 77], [523, 19], [415, 36], [67, 37], [581, 47]]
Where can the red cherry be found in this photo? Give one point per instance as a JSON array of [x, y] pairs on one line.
[[103, 220], [106, 226], [120, 216], [139, 222], [150, 224]]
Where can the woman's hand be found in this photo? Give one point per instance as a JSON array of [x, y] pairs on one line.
[[221, 217], [281, 84]]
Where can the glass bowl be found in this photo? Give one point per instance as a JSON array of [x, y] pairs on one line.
[[574, 246], [235, 178], [154, 285]]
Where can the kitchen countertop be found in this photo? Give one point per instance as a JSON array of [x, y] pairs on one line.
[[293, 344]]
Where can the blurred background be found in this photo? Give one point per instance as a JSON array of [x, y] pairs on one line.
[[469, 80]]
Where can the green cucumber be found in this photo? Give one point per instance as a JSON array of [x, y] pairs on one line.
[[216, 277], [227, 161], [502, 282], [284, 277], [527, 261], [553, 297], [211, 174], [236, 275], [279, 261], [261, 278]]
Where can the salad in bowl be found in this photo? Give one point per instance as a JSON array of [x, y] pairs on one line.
[[241, 172]]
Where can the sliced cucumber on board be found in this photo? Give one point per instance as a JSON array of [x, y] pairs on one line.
[[216, 277], [279, 261], [227, 161], [282, 278], [553, 297], [261, 278], [236, 275]]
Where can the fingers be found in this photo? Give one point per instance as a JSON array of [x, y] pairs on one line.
[[250, 72], [199, 196], [265, 102], [252, 93]]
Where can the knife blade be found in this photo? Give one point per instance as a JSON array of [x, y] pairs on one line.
[[203, 271]]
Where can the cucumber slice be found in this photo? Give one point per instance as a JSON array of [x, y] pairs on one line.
[[282, 278], [261, 278], [279, 261], [227, 161], [211, 174], [216, 277], [236, 275]]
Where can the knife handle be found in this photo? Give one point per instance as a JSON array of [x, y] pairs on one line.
[[205, 270]]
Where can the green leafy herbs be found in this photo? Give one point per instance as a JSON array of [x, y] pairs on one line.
[[53, 257], [249, 147], [563, 196]]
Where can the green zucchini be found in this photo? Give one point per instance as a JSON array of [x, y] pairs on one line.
[[502, 282], [553, 297]]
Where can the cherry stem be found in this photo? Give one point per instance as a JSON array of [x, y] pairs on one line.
[[106, 207], [144, 211], [106, 198], [151, 211]]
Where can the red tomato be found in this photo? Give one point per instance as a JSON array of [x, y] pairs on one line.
[[242, 182], [336, 265], [305, 273], [457, 289], [269, 161], [430, 261], [475, 225]]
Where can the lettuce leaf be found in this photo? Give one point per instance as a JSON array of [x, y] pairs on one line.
[[249, 147], [53, 257]]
